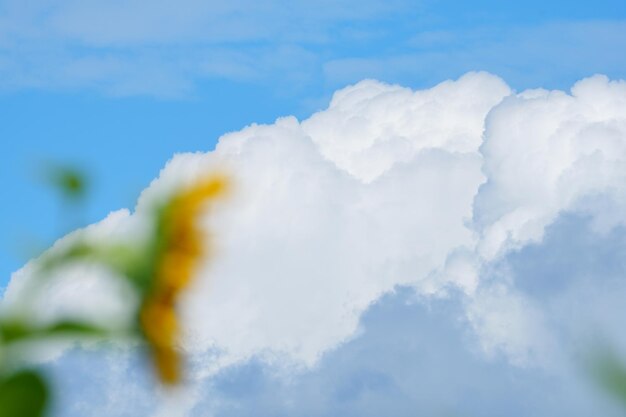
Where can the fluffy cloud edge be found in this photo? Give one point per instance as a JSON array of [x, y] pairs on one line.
[[329, 194]]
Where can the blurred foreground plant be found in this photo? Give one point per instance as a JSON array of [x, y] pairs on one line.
[[178, 246], [609, 372], [157, 270]]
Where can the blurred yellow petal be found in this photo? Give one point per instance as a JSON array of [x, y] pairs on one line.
[[168, 364], [175, 267], [158, 321]]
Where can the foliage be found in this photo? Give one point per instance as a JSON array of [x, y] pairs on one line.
[[157, 270], [23, 394], [609, 372]]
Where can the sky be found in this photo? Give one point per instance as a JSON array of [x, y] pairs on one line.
[[443, 181]]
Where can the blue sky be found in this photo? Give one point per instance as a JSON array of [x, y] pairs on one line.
[[140, 93], [118, 88], [274, 70]]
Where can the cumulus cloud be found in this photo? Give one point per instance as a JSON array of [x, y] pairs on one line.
[[322, 210], [430, 189], [545, 152]]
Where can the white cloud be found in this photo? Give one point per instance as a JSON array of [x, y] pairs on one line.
[[509, 323], [544, 151], [370, 127], [330, 210], [383, 189], [336, 210], [109, 299]]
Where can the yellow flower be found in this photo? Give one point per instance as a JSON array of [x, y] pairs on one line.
[[182, 246]]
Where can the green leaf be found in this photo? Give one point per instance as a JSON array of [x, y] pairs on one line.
[[72, 327], [11, 331], [23, 394], [131, 262], [71, 182], [610, 373], [15, 330]]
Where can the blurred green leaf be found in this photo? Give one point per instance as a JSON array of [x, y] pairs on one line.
[[75, 327], [129, 261], [23, 394], [71, 182], [14, 331], [610, 373]]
